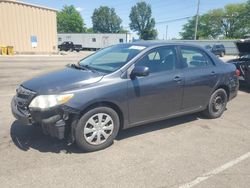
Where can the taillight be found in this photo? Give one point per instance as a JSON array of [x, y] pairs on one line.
[[237, 72]]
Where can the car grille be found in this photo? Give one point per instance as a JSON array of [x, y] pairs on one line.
[[23, 98]]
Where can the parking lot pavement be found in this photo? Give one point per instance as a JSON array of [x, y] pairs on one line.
[[228, 57], [189, 151]]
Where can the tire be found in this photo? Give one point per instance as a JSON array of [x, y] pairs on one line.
[[217, 104], [91, 135]]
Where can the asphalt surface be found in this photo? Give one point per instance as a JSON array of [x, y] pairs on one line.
[[189, 151]]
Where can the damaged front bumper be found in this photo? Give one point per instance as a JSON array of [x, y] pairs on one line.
[[56, 122]]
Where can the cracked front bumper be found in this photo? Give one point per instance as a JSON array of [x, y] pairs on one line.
[[19, 115], [54, 121]]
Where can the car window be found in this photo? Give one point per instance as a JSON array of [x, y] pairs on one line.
[[194, 58], [154, 56], [159, 60]]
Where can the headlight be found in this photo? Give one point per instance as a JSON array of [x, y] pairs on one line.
[[47, 101]]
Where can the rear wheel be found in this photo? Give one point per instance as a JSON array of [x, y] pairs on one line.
[[217, 104], [97, 129]]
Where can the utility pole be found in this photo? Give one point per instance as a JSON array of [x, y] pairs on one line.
[[166, 32], [197, 20]]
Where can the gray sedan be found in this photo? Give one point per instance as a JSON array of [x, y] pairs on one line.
[[123, 86]]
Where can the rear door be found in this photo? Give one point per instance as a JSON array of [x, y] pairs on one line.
[[200, 77]]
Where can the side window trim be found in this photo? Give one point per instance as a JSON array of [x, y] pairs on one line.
[[209, 59]]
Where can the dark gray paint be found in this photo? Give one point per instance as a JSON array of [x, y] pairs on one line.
[[143, 99], [62, 80]]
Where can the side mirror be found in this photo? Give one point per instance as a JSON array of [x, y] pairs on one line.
[[140, 71]]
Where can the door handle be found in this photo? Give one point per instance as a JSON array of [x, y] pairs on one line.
[[213, 72], [177, 78]]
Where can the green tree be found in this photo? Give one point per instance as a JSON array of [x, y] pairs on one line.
[[188, 30], [229, 22], [247, 12], [89, 30], [69, 20], [142, 21], [247, 16], [233, 24], [209, 26], [123, 30], [105, 20]]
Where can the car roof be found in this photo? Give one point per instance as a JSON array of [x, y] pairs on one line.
[[162, 43], [218, 44]]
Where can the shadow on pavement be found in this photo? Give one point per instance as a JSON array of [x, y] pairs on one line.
[[135, 131], [27, 137], [30, 137]]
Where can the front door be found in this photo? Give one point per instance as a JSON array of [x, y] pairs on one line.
[[160, 93]]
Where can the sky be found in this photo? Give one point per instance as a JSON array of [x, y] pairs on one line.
[[164, 11]]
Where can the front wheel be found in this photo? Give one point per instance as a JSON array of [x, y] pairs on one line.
[[97, 129], [217, 104]]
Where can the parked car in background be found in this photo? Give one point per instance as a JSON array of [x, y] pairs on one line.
[[217, 49], [208, 47], [242, 62], [123, 86], [69, 46]]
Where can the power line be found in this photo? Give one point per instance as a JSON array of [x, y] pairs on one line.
[[174, 20]]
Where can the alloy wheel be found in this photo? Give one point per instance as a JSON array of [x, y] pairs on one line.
[[98, 128]]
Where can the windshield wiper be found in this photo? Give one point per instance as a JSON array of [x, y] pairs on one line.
[[82, 67], [77, 66], [88, 67]]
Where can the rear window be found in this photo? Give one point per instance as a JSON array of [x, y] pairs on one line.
[[194, 58]]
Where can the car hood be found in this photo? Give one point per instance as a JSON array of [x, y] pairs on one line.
[[62, 80]]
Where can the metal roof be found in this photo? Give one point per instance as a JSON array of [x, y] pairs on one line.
[[28, 4]]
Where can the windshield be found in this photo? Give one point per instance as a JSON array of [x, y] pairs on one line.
[[112, 58]]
